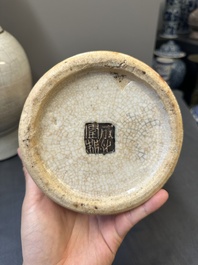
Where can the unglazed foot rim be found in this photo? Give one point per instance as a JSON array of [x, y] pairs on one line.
[[100, 133]]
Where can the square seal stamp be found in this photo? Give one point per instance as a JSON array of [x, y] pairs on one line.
[[99, 138]]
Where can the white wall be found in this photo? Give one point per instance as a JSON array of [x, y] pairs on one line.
[[161, 13], [51, 31]]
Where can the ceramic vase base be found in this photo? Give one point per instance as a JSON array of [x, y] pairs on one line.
[[8, 145], [100, 133]]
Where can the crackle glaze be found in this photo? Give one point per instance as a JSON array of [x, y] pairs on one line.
[[100, 132], [15, 85]]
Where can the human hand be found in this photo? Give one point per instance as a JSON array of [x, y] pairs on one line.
[[53, 235]]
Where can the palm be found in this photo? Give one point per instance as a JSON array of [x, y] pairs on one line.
[[53, 235], [60, 235]]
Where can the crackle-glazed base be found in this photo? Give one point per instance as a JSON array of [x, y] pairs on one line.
[[100, 133]]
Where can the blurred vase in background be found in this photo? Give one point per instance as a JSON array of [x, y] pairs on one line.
[[187, 6], [193, 24], [171, 19], [169, 65], [15, 85], [175, 17]]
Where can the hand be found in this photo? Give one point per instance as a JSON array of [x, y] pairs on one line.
[[53, 235]]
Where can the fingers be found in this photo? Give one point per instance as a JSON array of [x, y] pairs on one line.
[[19, 154], [148, 207], [126, 221], [32, 189]]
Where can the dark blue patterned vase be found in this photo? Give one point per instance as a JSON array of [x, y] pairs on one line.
[[187, 6], [171, 19]]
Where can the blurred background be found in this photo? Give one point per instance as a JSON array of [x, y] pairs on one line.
[[51, 31]]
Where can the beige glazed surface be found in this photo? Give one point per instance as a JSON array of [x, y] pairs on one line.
[[15, 85], [100, 132]]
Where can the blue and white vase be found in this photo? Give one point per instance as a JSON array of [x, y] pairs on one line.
[[194, 111], [164, 67], [177, 75], [171, 19], [187, 6], [169, 65]]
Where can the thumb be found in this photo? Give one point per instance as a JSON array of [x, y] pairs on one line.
[[126, 221]]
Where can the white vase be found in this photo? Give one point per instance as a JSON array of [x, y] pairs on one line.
[[15, 85]]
